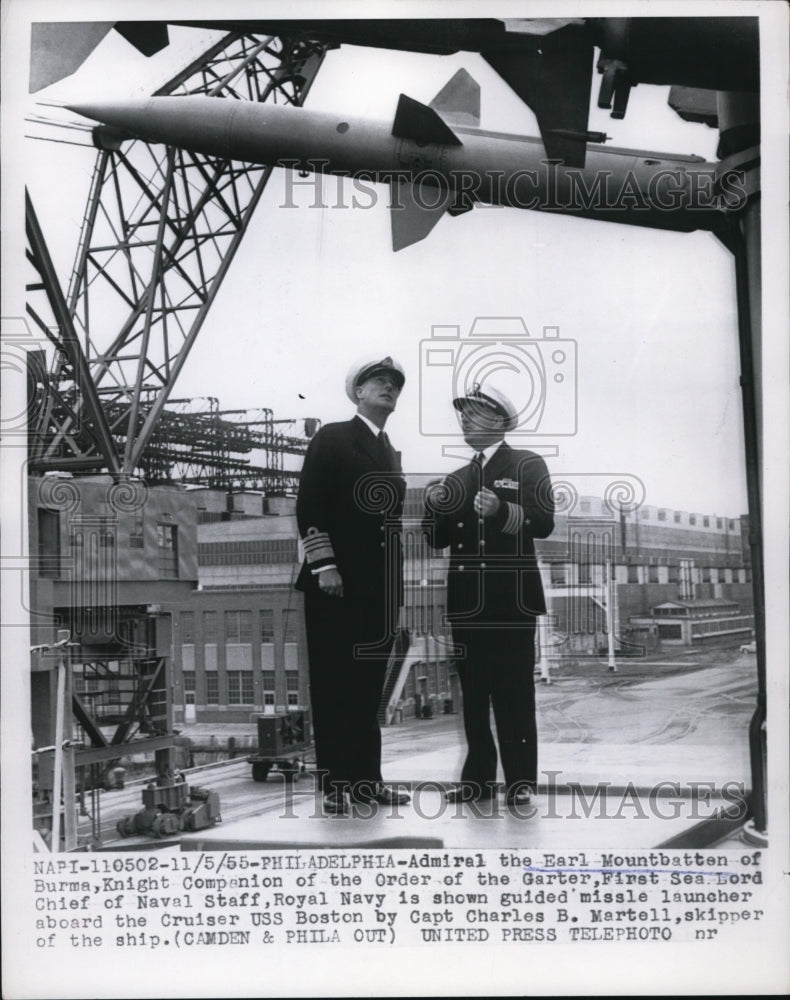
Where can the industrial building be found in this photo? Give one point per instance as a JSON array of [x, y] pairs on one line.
[[239, 646], [195, 586]]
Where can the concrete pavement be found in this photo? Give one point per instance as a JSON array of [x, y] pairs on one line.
[[653, 756]]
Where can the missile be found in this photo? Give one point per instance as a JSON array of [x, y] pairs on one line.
[[548, 61], [436, 160]]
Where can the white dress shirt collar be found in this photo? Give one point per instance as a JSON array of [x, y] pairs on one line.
[[374, 430], [489, 451]]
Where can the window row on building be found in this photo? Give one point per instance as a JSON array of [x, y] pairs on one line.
[[248, 552], [685, 573], [679, 517], [236, 626], [261, 689]]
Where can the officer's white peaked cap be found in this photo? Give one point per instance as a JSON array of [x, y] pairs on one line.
[[490, 398], [361, 371]]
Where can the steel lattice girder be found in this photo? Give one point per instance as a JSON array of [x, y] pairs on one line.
[[160, 231]]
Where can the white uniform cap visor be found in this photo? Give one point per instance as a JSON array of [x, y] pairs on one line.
[[360, 372], [492, 399]]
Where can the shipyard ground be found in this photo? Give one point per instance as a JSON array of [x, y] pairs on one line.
[[639, 757]]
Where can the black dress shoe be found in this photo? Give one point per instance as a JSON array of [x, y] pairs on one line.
[[468, 793], [382, 794], [335, 804], [519, 797]]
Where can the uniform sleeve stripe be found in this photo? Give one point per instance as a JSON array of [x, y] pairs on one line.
[[515, 516], [317, 546]]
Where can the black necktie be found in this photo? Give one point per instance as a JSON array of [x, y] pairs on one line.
[[386, 448], [477, 471]]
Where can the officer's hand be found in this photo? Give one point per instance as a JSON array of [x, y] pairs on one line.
[[486, 503], [330, 582]]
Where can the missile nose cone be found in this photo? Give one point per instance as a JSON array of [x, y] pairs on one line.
[[123, 120], [86, 110], [199, 123], [107, 112]]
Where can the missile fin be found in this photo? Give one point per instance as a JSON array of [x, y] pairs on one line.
[[538, 26], [148, 37], [59, 49], [421, 123], [555, 83], [458, 102], [414, 210]]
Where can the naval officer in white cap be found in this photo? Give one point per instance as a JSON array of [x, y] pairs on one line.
[[489, 512], [348, 512]]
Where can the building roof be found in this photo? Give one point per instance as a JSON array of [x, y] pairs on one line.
[[702, 608], [699, 604]]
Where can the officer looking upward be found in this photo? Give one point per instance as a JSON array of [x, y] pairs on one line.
[[348, 512]]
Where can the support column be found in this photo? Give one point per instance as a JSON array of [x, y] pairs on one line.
[[739, 117]]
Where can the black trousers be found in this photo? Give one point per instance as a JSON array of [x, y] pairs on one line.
[[496, 667], [346, 687]]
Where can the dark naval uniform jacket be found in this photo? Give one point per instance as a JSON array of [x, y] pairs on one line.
[[348, 513], [494, 593], [493, 576]]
